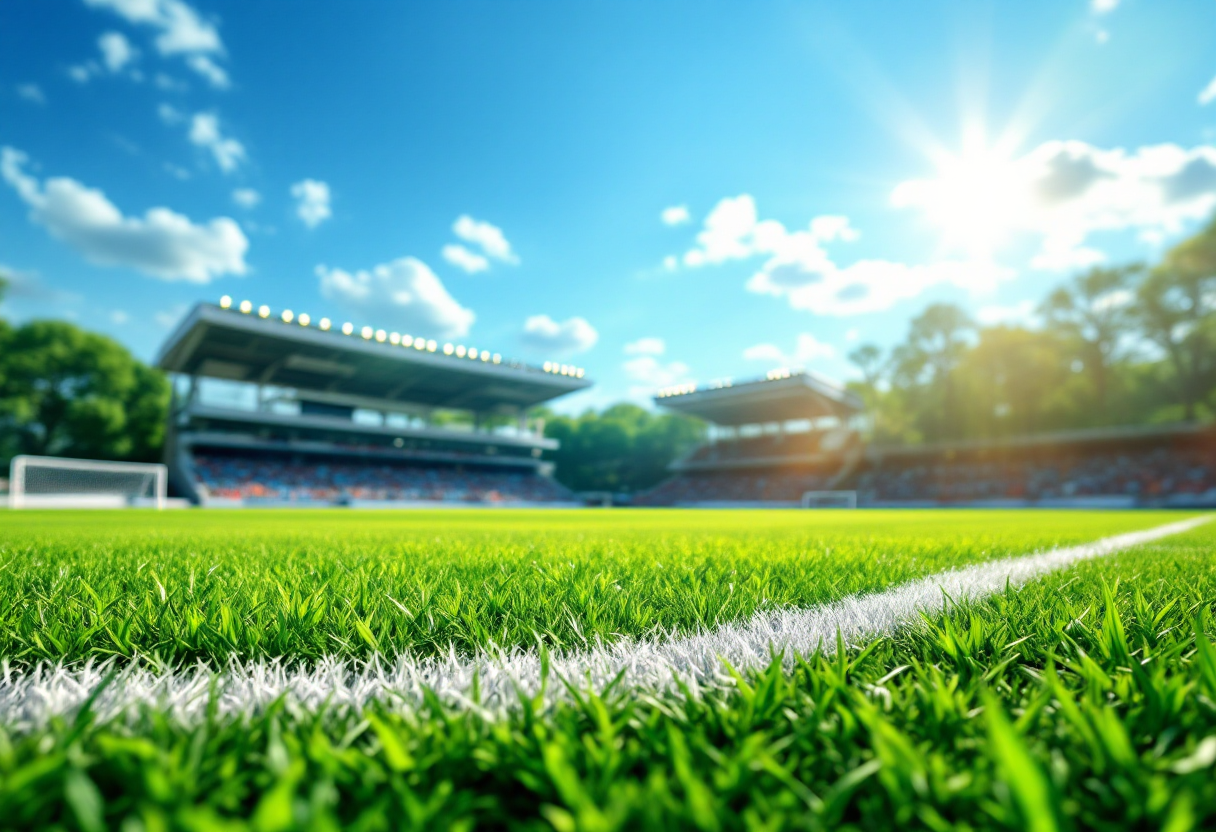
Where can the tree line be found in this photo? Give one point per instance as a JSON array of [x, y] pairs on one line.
[[1125, 345]]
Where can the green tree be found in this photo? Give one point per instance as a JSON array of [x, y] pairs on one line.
[[1014, 380], [1093, 313], [68, 392], [924, 366], [1175, 311]]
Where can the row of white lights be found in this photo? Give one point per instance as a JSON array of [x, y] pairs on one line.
[[394, 338], [718, 384]]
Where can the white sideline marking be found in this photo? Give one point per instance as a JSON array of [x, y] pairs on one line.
[[30, 698]]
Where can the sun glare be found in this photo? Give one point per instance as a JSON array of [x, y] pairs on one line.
[[976, 200]]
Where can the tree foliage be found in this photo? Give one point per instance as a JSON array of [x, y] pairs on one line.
[[1114, 346], [68, 392], [623, 448]]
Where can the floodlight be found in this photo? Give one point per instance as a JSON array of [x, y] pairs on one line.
[[580, 372], [419, 344], [448, 349], [394, 338], [287, 316], [548, 367], [246, 307], [367, 332], [407, 341], [460, 351], [348, 328], [263, 311], [225, 302], [485, 355], [381, 335], [497, 358], [325, 324], [304, 319], [431, 346]]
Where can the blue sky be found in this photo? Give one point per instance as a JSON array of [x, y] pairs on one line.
[[657, 192]]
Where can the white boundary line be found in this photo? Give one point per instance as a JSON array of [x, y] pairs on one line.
[[30, 698]]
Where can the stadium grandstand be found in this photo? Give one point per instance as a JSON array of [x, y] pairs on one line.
[[777, 440], [281, 409]]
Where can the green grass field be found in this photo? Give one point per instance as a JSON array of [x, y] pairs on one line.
[[1085, 699]]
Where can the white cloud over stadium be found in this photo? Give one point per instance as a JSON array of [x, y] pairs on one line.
[[571, 336], [403, 293], [162, 243]]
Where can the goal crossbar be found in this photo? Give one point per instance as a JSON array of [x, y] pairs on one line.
[[96, 485]]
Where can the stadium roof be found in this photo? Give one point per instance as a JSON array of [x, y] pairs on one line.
[[240, 344], [784, 396]]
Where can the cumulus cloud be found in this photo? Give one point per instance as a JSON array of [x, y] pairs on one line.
[[646, 346], [807, 348], [462, 258], [205, 132], [1065, 191], [675, 215], [162, 243], [116, 51], [651, 374], [489, 238], [799, 268], [404, 293], [312, 201], [31, 92], [1208, 94], [246, 197], [180, 30], [566, 338]]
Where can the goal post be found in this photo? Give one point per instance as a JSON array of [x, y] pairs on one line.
[[829, 499], [55, 482]]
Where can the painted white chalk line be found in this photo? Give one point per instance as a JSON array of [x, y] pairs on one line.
[[29, 698]]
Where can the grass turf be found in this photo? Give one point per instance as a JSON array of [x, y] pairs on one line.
[[1086, 700], [301, 585]]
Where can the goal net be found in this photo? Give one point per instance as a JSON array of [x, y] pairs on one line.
[[829, 499], [52, 482]]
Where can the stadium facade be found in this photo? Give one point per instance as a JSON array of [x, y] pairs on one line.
[[779, 440], [273, 407]]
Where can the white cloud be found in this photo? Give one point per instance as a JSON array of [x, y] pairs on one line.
[[116, 51], [119, 317], [215, 75], [168, 83], [651, 375], [1022, 312], [489, 237], [180, 30], [1103, 6], [205, 132], [1063, 192], [170, 114], [799, 268], [675, 215], [81, 73], [462, 258], [246, 197], [807, 348], [162, 243], [312, 201], [646, 346], [1208, 94], [570, 336], [670, 263], [31, 92], [404, 293]]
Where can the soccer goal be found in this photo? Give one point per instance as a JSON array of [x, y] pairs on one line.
[[829, 499], [51, 482]]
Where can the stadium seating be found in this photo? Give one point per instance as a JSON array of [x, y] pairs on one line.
[[254, 479]]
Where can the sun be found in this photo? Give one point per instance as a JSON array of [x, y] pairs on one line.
[[977, 199]]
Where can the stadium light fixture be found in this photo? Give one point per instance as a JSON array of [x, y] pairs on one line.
[[419, 344], [394, 338], [367, 333], [448, 349], [225, 302], [580, 372], [431, 346], [263, 311], [407, 341], [497, 358], [246, 307], [485, 355], [460, 351], [381, 336], [548, 367], [287, 316], [304, 319], [325, 324]]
